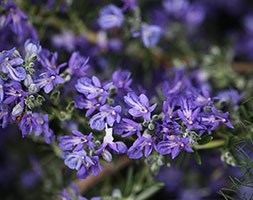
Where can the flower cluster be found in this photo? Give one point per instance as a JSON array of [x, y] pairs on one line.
[[78, 159], [20, 86], [174, 123], [14, 22], [111, 16]]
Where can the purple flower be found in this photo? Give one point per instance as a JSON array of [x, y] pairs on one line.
[[188, 113], [49, 61], [172, 89], [84, 164], [78, 64], [69, 41], [172, 178], [32, 49], [1, 91], [9, 60], [108, 113], [14, 92], [92, 88], [114, 45], [109, 144], [129, 4], [78, 140], [139, 105], [97, 122], [27, 124], [191, 194], [176, 8], [47, 80], [248, 23], [150, 34], [31, 177], [37, 123], [4, 115], [143, 143], [111, 114], [169, 109], [75, 159], [121, 79], [168, 127], [90, 104], [90, 166], [17, 20], [65, 195], [195, 15], [202, 98], [214, 119], [174, 145], [43, 127], [72, 192], [127, 126], [110, 16], [17, 110], [51, 77], [230, 95], [65, 40]]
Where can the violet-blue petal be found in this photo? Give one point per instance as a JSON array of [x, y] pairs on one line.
[[150, 34], [110, 16]]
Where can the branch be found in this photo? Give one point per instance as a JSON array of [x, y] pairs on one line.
[[108, 169], [243, 67]]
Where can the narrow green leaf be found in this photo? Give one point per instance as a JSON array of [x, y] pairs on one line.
[[40, 99], [55, 96], [149, 192], [70, 107], [129, 182], [210, 145], [205, 139], [197, 157]]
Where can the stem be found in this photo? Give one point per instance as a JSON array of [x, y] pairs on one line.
[[243, 67], [210, 145], [108, 170]]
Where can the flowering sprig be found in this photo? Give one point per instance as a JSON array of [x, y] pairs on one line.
[[79, 140], [185, 109], [116, 104], [117, 116], [85, 165], [21, 84], [78, 159]]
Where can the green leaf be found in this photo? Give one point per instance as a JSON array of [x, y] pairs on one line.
[[129, 182], [63, 115], [55, 96], [70, 107], [197, 157], [244, 112], [29, 101], [210, 145], [150, 191], [205, 139], [40, 99]]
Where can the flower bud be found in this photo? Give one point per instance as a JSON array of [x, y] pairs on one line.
[[107, 156], [17, 110]]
